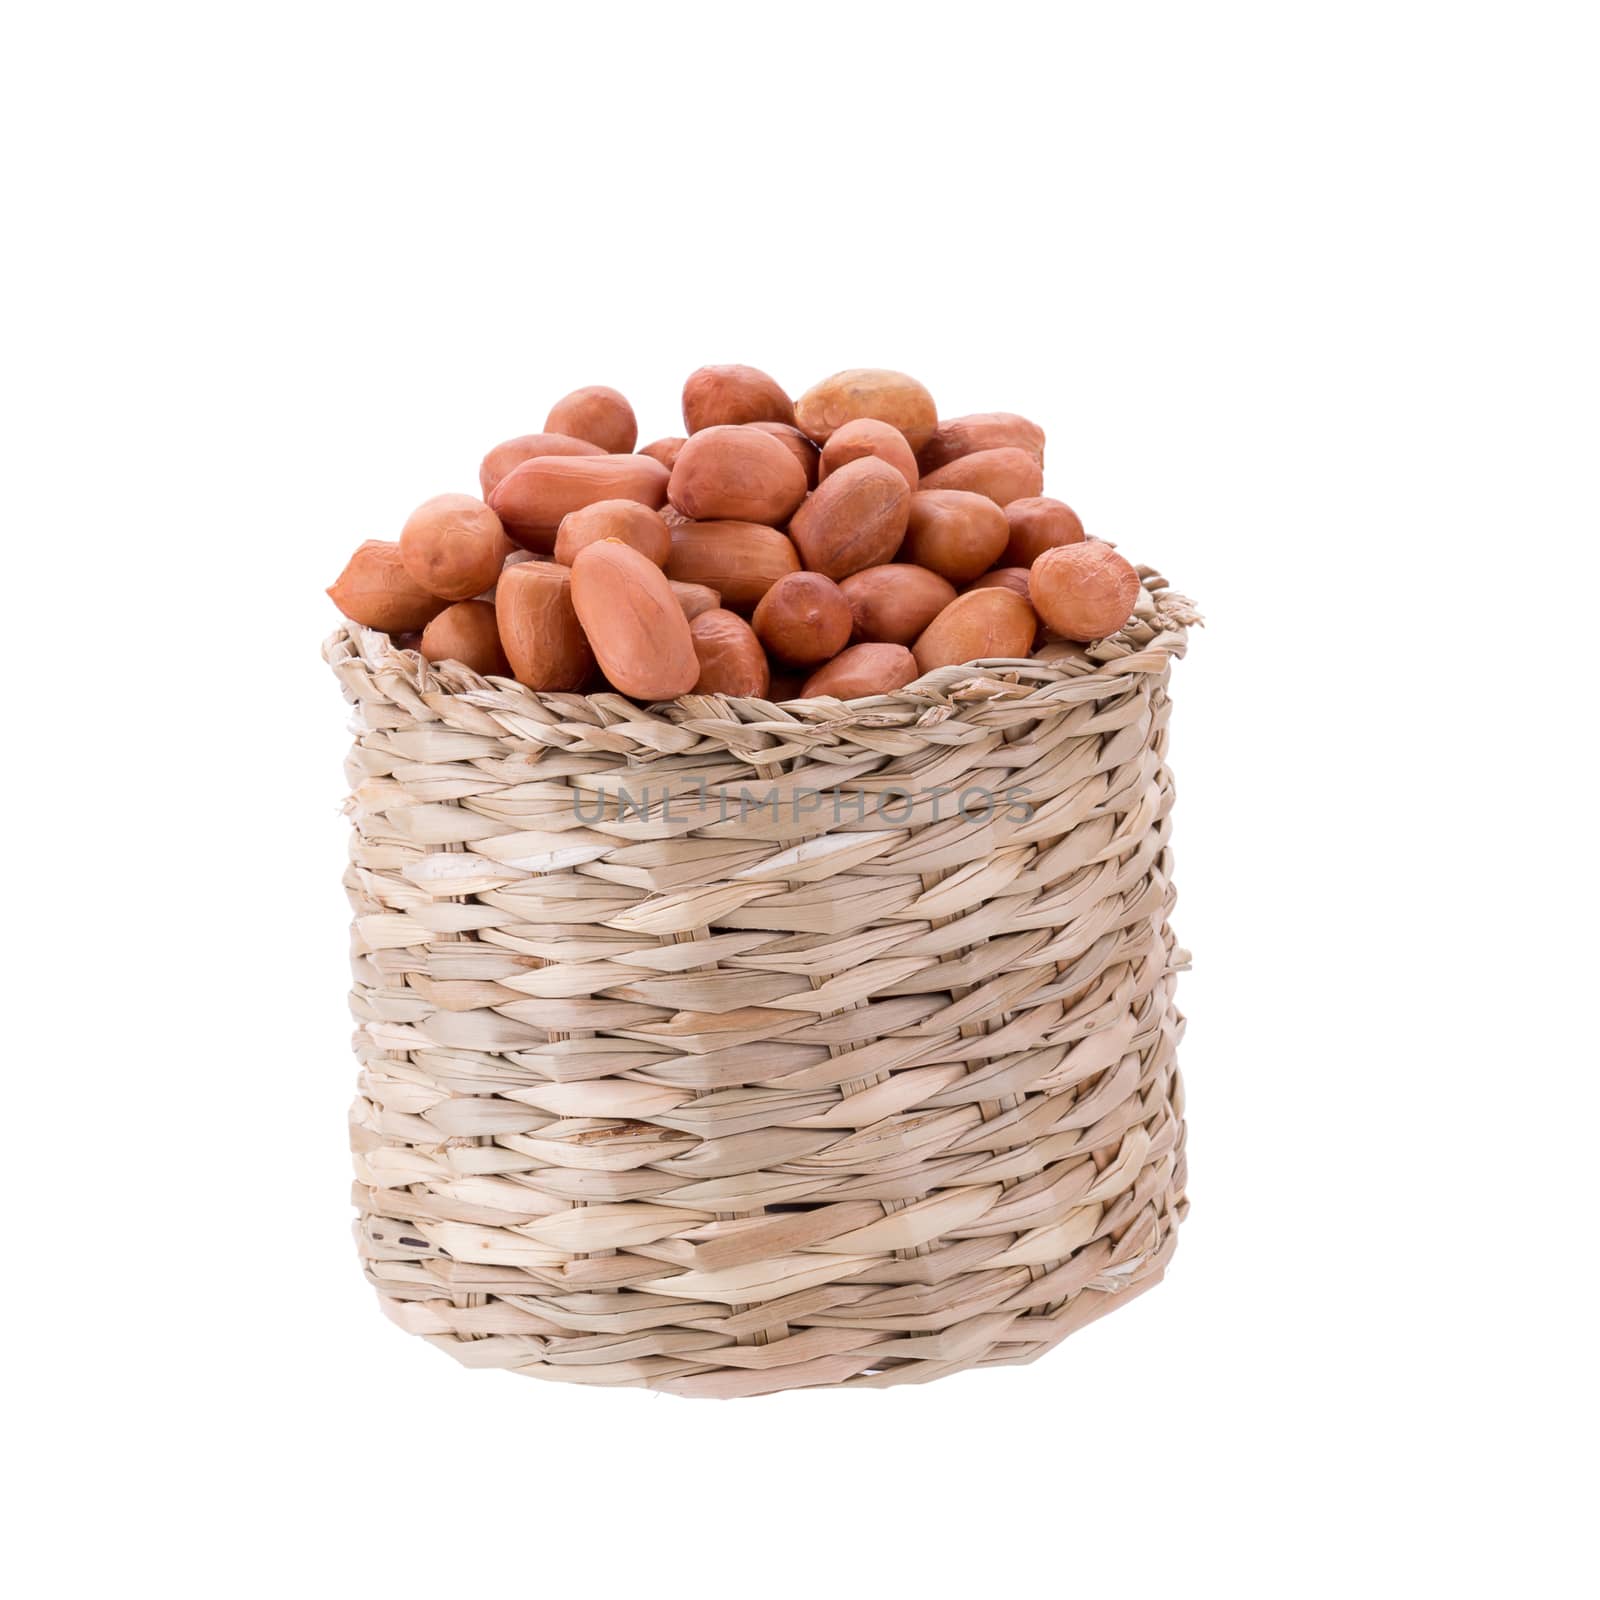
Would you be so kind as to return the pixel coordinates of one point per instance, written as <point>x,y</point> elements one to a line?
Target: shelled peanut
<point>841,544</point>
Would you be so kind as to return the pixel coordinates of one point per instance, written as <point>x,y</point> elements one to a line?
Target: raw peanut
<point>376,590</point>
<point>786,685</point>
<point>532,499</point>
<point>736,474</point>
<point>983,430</point>
<point>1004,475</point>
<point>976,626</point>
<point>892,604</point>
<point>633,622</point>
<point>467,632</point>
<point>598,414</point>
<point>663,450</point>
<point>796,443</point>
<point>695,599</point>
<point>856,518</point>
<point>1016,580</point>
<point>954,533</point>
<point>803,618</point>
<point>1037,524</point>
<point>890,397</point>
<point>626,520</point>
<point>862,670</point>
<point>539,629</point>
<point>525,447</point>
<point>1083,591</point>
<point>731,658</point>
<point>454,546</point>
<point>866,436</point>
<point>740,560</point>
<point>713,396</point>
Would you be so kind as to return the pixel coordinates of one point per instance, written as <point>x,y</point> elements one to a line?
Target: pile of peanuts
<point>841,544</point>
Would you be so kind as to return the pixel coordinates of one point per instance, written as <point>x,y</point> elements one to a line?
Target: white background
<point>1305,299</point>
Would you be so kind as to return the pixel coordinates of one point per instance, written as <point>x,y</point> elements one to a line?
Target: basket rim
<point>1059,675</point>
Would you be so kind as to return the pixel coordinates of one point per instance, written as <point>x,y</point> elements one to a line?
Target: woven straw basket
<point>726,1047</point>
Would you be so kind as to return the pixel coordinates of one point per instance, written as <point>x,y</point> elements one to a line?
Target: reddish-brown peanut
<point>376,590</point>
<point>454,546</point>
<point>695,599</point>
<point>539,628</point>
<point>598,414</point>
<point>626,520</point>
<point>532,499</point>
<point>1016,580</point>
<point>983,430</point>
<point>954,533</point>
<point>855,518</point>
<point>633,622</point>
<point>467,632</point>
<point>525,447</point>
<point>796,443</point>
<point>890,397</point>
<point>714,396</point>
<point>976,626</point>
<point>803,618</point>
<point>1004,475</point>
<point>863,669</point>
<point>1037,524</point>
<point>892,604</point>
<point>663,450</point>
<point>736,474</point>
<point>740,560</point>
<point>1083,591</point>
<point>731,658</point>
<point>866,436</point>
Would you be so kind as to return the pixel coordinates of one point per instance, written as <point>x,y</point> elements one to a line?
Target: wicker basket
<point>727,1047</point>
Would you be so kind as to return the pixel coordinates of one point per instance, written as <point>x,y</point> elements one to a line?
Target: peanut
<point>694,599</point>
<point>730,656</point>
<point>532,499</point>
<point>890,397</point>
<point>467,632</point>
<point>740,560</point>
<point>598,414</point>
<point>796,443</point>
<point>1083,591</point>
<point>1005,474</point>
<point>376,590</point>
<point>863,669</point>
<point>626,520</point>
<point>633,622</point>
<point>663,450</point>
<point>736,474</point>
<point>803,618</point>
<point>866,436</point>
<point>954,533</point>
<point>454,546</point>
<point>1037,524</point>
<point>977,626</point>
<point>714,396</point>
<point>539,628</point>
<point>892,604</point>
<point>525,447</point>
<point>983,430</point>
<point>855,518</point>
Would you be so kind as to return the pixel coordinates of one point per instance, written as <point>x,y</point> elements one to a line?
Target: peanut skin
<point>598,414</point>
<point>532,499</point>
<point>890,397</point>
<point>983,430</point>
<point>796,443</point>
<point>977,626</point>
<point>868,437</point>
<point>525,447</point>
<point>626,520</point>
<point>853,519</point>
<point>731,658</point>
<point>1004,475</point>
<point>454,546</point>
<point>694,599</point>
<point>663,450</point>
<point>539,628</point>
<point>1083,591</point>
<point>376,590</point>
<point>717,396</point>
<point>863,669</point>
<point>1038,524</point>
<point>736,474</point>
<point>892,604</point>
<point>803,618</point>
<point>467,632</point>
<point>633,622</point>
<point>740,560</point>
<point>954,533</point>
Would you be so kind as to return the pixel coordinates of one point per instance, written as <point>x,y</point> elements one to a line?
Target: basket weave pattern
<point>723,1099</point>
